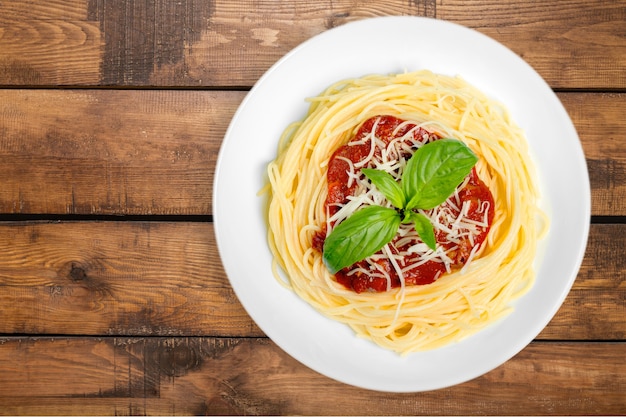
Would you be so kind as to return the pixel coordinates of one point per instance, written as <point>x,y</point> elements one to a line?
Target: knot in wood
<point>177,360</point>
<point>77,273</point>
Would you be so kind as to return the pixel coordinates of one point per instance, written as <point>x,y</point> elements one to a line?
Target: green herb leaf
<point>434,171</point>
<point>429,178</point>
<point>424,229</point>
<point>387,185</point>
<point>362,234</point>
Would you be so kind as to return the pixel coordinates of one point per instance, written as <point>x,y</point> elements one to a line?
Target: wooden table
<point>113,299</point>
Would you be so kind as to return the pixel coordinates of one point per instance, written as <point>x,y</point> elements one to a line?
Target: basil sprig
<point>431,175</point>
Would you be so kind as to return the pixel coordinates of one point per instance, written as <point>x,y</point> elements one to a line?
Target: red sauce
<point>386,128</point>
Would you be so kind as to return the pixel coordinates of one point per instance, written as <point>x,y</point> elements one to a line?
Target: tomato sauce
<point>475,193</point>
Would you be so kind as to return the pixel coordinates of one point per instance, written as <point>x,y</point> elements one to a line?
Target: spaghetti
<point>460,302</point>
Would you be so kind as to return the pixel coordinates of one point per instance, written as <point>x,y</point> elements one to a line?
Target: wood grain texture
<point>577,41</point>
<point>154,152</point>
<point>604,142</point>
<point>166,279</point>
<point>110,152</point>
<point>103,278</point>
<point>208,376</point>
<point>587,313</point>
<point>572,44</point>
<point>113,108</point>
<point>49,43</point>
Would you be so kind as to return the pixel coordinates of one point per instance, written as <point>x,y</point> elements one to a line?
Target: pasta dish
<point>406,207</point>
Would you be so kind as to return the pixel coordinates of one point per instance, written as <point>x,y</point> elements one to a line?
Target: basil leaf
<point>434,171</point>
<point>387,185</point>
<point>424,229</point>
<point>362,234</point>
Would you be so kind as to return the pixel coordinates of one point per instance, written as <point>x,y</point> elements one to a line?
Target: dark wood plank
<point>154,152</point>
<point>110,152</point>
<point>568,42</point>
<point>102,278</point>
<point>207,376</point>
<point>573,44</point>
<point>602,133</point>
<point>166,279</point>
<point>595,308</point>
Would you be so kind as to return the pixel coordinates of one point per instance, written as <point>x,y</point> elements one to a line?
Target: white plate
<point>385,45</point>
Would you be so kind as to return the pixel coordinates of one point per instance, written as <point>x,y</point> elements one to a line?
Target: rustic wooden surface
<point>113,299</point>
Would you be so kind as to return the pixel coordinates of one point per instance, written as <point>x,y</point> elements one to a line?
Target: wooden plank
<point>236,51</point>
<point>573,44</point>
<point>110,152</point>
<point>49,43</point>
<point>595,308</point>
<point>568,42</point>
<point>154,152</point>
<point>207,376</point>
<point>116,278</point>
<point>166,279</point>
<point>603,136</point>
